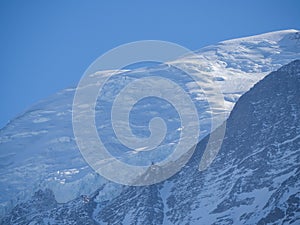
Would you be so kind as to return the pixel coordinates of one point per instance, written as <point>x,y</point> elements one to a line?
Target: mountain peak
<point>276,36</point>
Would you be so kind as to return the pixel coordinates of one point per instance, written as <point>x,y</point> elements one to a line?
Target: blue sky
<point>47,45</point>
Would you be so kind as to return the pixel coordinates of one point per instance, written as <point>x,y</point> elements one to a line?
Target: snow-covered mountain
<point>39,156</point>
<point>254,179</point>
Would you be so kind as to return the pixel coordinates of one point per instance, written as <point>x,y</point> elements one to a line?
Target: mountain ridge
<point>253,180</point>
<point>32,142</point>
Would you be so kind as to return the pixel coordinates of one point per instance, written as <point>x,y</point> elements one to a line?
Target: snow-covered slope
<point>38,151</point>
<point>254,179</point>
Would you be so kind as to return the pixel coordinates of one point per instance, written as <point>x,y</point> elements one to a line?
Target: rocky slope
<point>253,180</point>
<point>39,156</point>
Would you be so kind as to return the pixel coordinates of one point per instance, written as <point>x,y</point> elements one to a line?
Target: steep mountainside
<point>254,179</point>
<point>39,156</point>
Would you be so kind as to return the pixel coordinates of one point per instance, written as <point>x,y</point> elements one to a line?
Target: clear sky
<point>45,46</point>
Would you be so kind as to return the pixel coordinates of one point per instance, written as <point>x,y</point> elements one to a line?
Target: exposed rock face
<point>255,178</point>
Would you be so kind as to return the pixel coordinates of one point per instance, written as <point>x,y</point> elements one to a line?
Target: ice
<point>37,148</point>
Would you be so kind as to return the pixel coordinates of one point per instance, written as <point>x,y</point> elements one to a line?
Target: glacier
<point>38,150</point>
